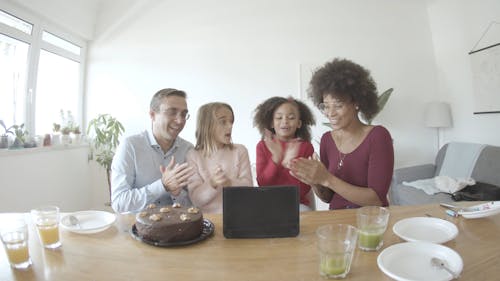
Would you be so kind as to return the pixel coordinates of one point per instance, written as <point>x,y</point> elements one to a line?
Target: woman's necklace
<point>353,137</point>
<point>341,162</point>
<point>342,156</point>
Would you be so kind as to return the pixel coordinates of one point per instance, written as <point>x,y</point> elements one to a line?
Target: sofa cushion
<point>488,166</point>
<point>407,195</point>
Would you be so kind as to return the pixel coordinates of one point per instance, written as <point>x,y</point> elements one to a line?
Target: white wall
<point>41,176</point>
<point>243,52</point>
<point>456,27</point>
<point>78,17</point>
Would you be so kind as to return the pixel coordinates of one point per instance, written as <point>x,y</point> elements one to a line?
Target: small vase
<point>46,140</point>
<point>75,138</point>
<point>4,142</point>
<point>56,139</point>
<point>65,139</point>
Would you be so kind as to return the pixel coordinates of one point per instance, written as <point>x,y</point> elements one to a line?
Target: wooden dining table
<point>114,254</point>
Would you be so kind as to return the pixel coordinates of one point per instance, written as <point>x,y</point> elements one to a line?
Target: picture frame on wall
<point>485,66</point>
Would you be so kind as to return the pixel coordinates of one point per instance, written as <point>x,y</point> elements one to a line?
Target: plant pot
<point>38,141</point>
<point>47,140</point>
<point>30,143</point>
<point>4,142</point>
<point>17,144</point>
<point>56,139</point>
<point>75,138</point>
<point>65,139</point>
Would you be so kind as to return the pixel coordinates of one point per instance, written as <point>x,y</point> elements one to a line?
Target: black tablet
<point>260,212</point>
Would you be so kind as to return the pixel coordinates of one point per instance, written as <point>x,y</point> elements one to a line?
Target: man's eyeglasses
<point>173,113</point>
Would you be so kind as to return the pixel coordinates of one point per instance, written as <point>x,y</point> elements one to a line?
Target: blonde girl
<point>217,162</point>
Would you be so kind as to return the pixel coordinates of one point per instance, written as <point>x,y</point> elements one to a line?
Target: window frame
<point>36,44</point>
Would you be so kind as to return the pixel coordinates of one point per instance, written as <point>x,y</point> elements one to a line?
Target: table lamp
<point>438,115</point>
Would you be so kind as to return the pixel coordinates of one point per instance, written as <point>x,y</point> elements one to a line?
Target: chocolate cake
<point>169,223</point>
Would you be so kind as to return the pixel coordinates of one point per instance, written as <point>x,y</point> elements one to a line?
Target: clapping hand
<point>310,171</point>
<point>219,178</point>
<point>274,146</point>
<point>291,152</point>
<point>278,155</point>
<point>175,176</point>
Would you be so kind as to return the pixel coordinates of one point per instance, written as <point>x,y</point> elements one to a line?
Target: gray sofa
<point>486,170</point>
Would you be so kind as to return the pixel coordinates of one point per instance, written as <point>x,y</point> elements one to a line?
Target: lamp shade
<point>438,115</point>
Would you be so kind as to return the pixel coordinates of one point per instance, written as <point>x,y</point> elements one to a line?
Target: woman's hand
<point>309,171</point>
<point>324,193</point>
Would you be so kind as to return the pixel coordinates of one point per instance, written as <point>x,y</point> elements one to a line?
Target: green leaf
<point>105,132</point>
<point>383,98</point>
<point>381,101</point>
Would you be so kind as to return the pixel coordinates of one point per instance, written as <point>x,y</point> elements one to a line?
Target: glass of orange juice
<point>14,235</point>
<point>46,219</point>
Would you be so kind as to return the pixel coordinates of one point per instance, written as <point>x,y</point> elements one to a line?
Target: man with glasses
<point>150,167</point>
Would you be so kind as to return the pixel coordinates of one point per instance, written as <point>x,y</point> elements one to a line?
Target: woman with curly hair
<point>284,124</point>
<point>356,160</point>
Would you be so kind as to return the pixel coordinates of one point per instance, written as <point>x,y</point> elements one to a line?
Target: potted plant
<point>4,137</point>
<point>104,132</point>
<point>56,134</point>
<point>65,139</point>
<point>67,123</point>
<point>76,135</point>
<point>20,135</point>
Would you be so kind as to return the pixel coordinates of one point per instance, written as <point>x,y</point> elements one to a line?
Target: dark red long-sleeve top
<point>370,165</point>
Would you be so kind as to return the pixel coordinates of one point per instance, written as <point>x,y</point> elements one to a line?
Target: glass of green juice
<point>372,223</point>
<point>336,246</point>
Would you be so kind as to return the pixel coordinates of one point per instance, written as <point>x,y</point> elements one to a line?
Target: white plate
<point>481,210</point>
<point>425,229</point>
<point>412,261</point>
<point>90,221</point>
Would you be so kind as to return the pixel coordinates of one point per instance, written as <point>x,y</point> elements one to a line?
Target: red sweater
<point>270,173</point>
<point>370,165</point>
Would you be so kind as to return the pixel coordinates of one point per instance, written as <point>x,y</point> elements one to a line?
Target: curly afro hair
<point>347,81</point>
<point>264,114</point>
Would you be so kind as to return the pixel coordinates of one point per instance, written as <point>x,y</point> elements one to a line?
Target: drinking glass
<point>14,235</point>
<point>336,246</point>
<point>124,221</point>
<point>372,223</point>
<point>46,219</point>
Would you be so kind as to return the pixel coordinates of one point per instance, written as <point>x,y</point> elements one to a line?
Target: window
<point>15,22</point>
<point>13,73</point>
<point>57,88</point>
<point>40,73</point>
<point>56,41</point>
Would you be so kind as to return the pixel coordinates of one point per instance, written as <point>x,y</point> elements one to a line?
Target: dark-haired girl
<point>285,127</point>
